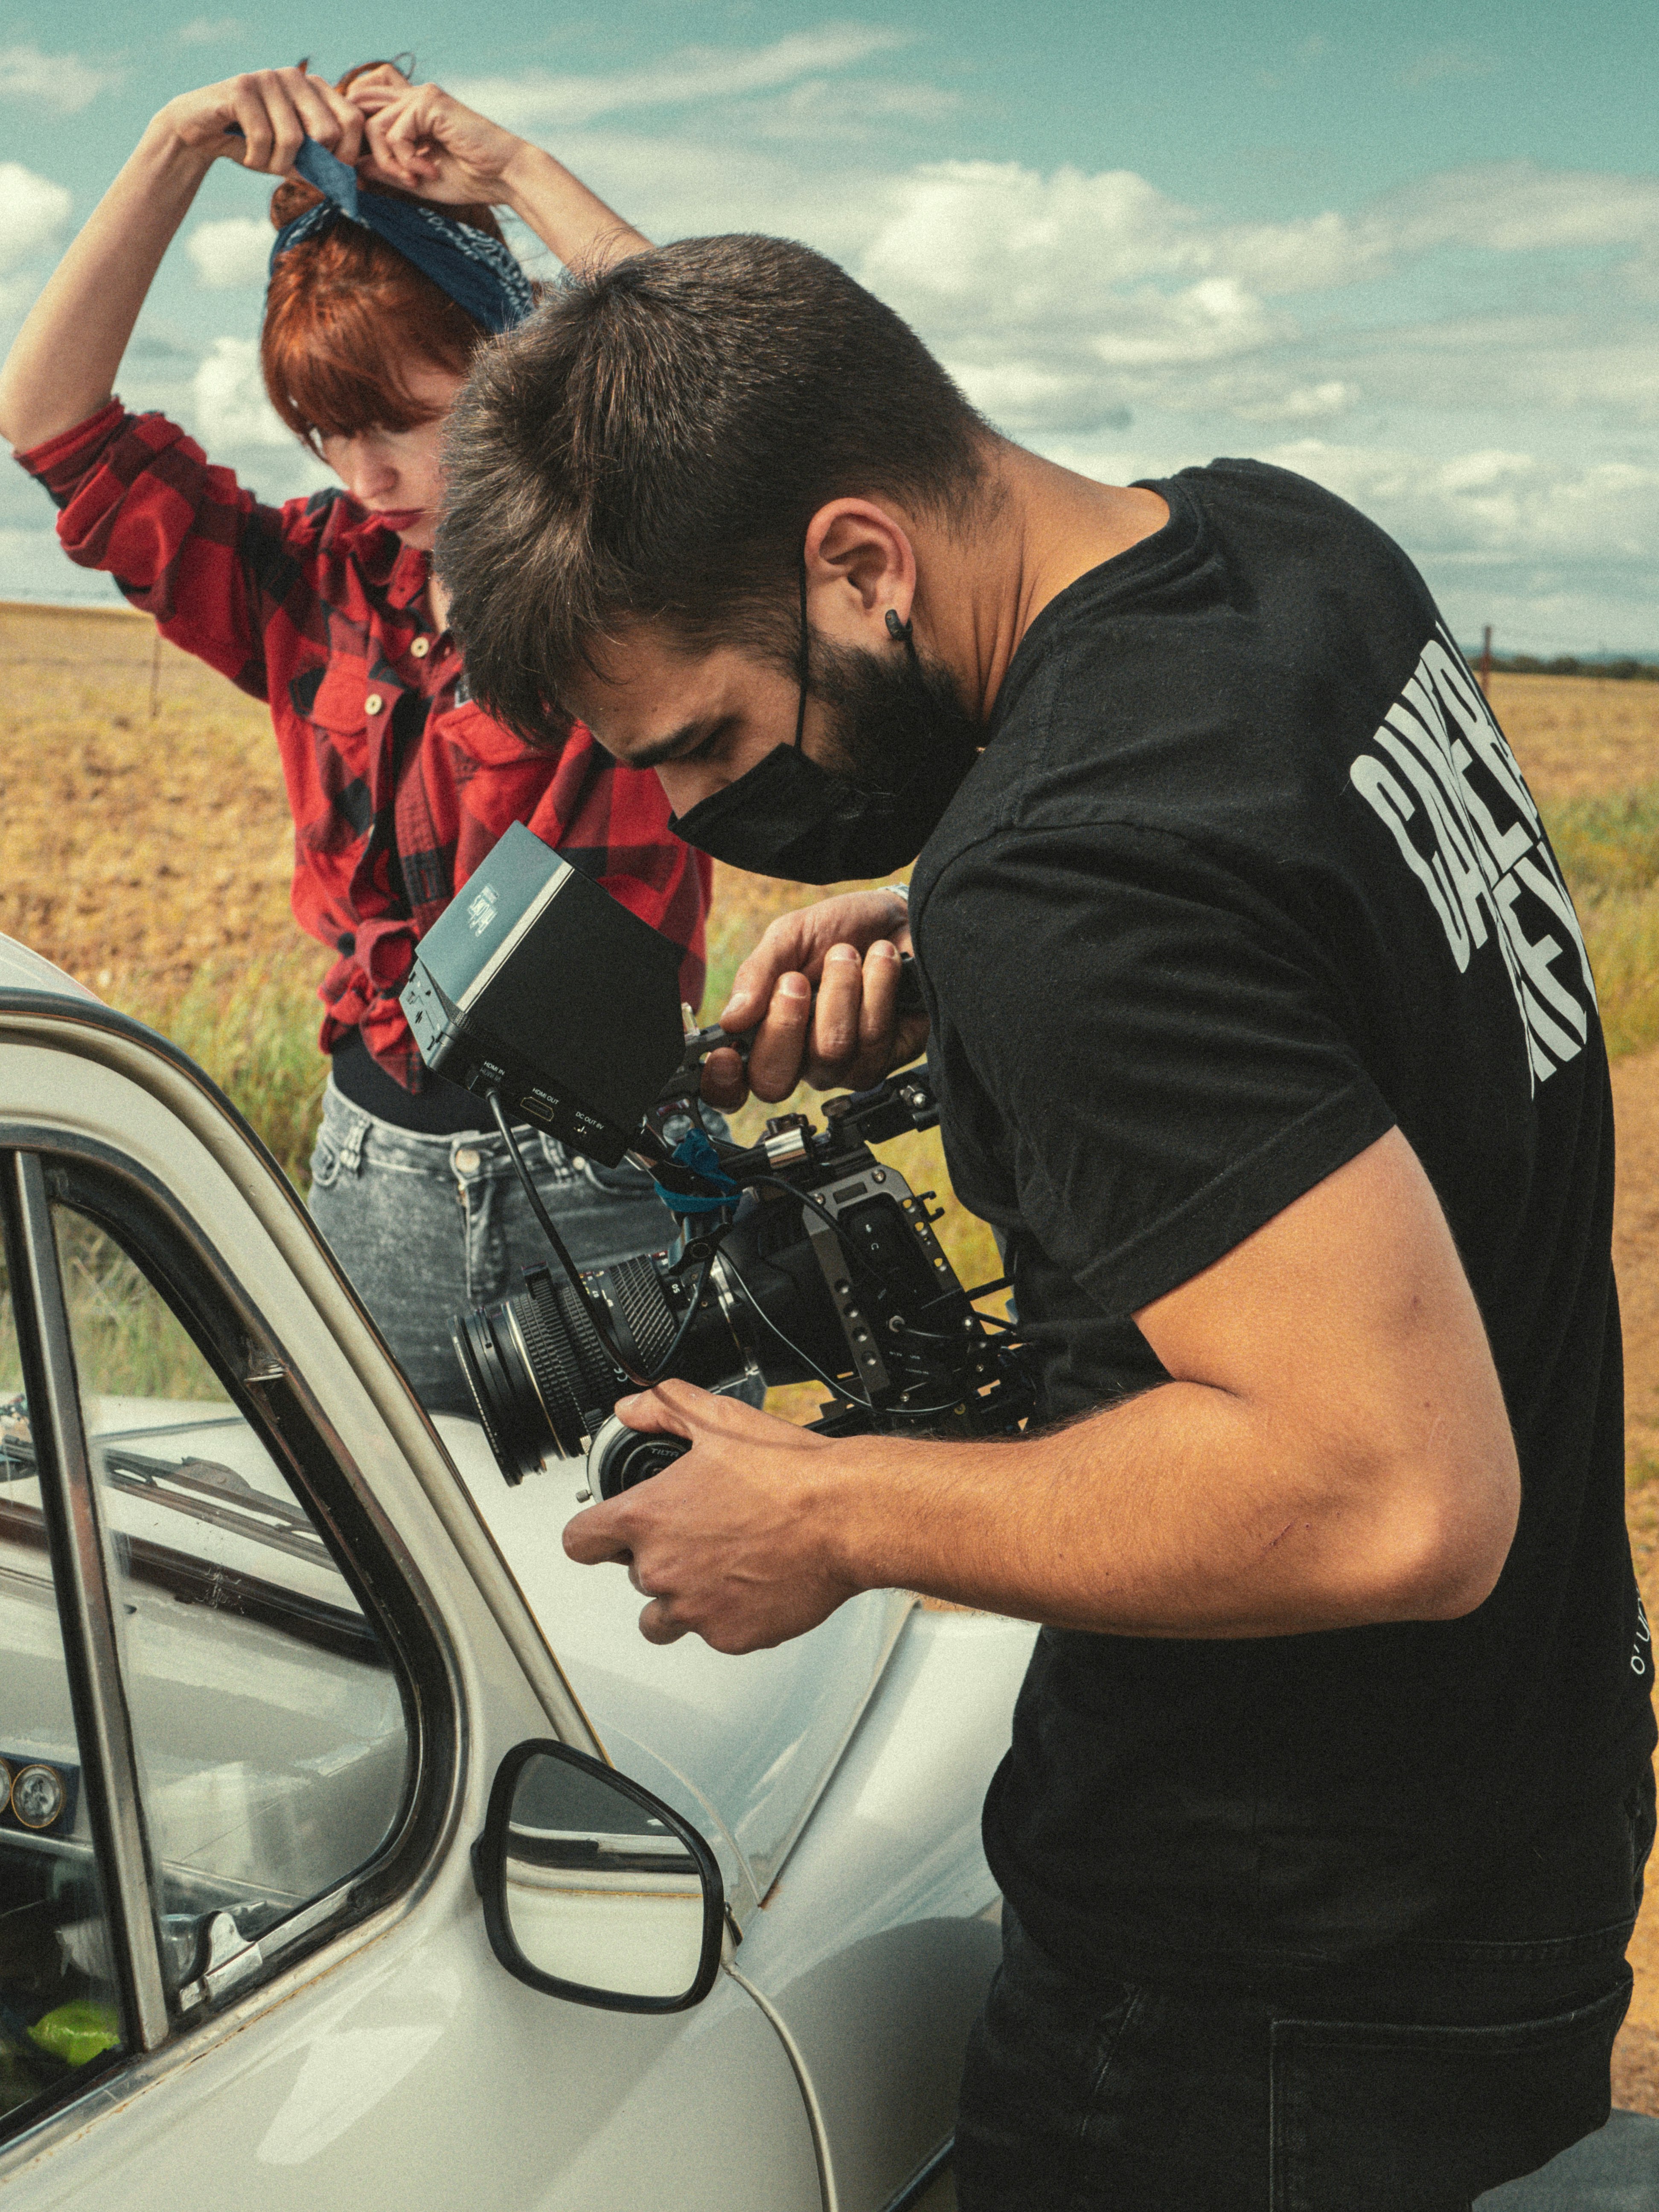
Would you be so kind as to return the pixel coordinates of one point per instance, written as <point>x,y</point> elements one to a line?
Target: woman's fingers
<point>323,115</point>
<point>401,133</point>
<point>325,110</point>
<point>265,104</point>
<point>377,87</point>
<point>247,105</point>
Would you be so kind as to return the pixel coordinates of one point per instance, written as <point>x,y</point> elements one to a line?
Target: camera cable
<point>866,1403</point>
<point>595,1310</point>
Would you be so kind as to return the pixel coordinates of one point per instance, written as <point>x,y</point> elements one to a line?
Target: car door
<point>258,1663</point>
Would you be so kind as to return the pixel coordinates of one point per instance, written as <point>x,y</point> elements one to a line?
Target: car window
<point>269,1727</point>
<point>59,2011</point>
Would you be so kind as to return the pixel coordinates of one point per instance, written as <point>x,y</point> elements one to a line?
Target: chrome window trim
<point>108,1761</point>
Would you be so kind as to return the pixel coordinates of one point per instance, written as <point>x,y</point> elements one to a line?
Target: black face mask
<point>907,743</point>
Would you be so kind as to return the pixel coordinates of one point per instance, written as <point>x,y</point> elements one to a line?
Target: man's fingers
<point>835,1016</point>
<point>878,1016</point>
<point>779,1046</point>
<point>591,1539</point>
<point>724,1084</point>
<point>658,1627</point>
<point>781,951</point>
<point>672,1408</point>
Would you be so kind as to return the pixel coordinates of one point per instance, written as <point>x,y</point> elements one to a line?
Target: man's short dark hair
<point>652,444</point>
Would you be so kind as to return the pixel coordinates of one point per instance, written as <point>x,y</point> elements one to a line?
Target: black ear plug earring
<point>897,630</point>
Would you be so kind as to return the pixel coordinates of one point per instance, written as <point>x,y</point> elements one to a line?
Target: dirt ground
<point>143,832</point>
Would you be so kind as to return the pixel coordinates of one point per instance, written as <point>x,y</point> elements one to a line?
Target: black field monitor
<point>534,982</point>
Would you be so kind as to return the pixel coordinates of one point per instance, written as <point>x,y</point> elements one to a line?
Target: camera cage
<point>541,993</point>
<point>808,1258</point>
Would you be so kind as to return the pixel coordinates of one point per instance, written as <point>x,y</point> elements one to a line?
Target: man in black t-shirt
<point>1266,1040</point>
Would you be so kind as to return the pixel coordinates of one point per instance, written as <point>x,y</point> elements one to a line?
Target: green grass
<point>1608,849</point>
<point>253,1025</point>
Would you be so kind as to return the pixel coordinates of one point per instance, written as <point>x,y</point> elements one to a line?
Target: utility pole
<point>1486,660</point>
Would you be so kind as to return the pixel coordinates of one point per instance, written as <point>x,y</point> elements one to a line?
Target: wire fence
<point>149,662</point>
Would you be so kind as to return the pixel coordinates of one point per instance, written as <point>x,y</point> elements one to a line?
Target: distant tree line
<point>1527,664</point>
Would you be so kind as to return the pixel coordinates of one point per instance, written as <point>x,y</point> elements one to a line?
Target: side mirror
<point>595,1890</point>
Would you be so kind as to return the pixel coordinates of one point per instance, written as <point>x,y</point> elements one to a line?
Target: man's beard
<point>888,716</point>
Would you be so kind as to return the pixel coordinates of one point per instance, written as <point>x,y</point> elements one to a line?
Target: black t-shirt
<point>1245,877</point>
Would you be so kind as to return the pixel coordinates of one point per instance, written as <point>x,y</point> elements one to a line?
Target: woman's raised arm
<point>421,139</point>
<point>62,363</point>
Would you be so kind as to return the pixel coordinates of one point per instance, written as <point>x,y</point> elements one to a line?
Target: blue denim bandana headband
<point>478,271</point>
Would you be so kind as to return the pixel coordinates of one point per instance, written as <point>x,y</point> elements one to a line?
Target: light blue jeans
<point>428,1226</point>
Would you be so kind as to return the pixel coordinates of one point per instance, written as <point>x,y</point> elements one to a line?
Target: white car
<point>355,1851</point>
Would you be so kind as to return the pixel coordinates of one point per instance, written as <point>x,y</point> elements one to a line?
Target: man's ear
<point>860,564</point>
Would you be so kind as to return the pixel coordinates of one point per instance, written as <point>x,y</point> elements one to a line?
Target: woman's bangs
<point>346,318</point>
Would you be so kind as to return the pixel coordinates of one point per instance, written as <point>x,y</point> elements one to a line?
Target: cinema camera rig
<point>801,1258</point>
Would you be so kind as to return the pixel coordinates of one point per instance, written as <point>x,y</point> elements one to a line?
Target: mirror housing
<point>594,1889</point>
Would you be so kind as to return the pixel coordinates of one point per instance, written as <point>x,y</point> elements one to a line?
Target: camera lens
<point>619,1457</point>
<point>542,1380</point>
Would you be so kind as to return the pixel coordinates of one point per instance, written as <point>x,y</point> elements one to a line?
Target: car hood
<point>754,1739</point>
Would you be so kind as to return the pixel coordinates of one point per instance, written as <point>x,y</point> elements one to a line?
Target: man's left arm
<point>1332,1450</point>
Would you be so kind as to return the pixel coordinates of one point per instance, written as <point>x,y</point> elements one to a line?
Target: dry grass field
<point>145,846</point>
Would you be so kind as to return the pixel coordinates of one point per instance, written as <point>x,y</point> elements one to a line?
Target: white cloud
<point>64,84</point>
<point>228,399</point>
<point>1301,403</point>
<point>537,98</point>
<point>824,109</point>
<point>210,30</point>
<point>1472,506</point>
<point>33,212</point>
<point>231,252</point>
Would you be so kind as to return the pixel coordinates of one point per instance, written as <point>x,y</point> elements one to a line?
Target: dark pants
<point>1410,2092</point>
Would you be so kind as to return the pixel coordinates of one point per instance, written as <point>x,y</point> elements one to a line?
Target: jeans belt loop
<point>351,1151</point>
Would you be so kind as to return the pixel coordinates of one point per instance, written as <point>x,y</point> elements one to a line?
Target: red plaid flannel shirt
<point>399,785</point>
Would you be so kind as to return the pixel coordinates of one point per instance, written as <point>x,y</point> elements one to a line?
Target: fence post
<point>1485,660</point>
<point>155,677</point>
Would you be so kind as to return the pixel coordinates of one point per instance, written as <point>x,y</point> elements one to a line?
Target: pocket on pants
<point>1369,2117</point>
<point>324,1162</point>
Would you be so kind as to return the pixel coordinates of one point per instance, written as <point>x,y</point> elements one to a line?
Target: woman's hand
<point>274,110</point>
<point>421,139</point>
<point>849,946</point>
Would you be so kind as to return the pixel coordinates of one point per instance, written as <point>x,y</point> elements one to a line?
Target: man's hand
<point>729,1543</point>
<point>849,947</point>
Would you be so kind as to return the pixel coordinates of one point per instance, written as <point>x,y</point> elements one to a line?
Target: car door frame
<point>274,1385</point>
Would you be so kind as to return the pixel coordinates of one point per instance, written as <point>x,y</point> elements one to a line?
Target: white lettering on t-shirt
<point>1440,776</point>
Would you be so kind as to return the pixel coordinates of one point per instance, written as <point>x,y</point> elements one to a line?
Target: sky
<point>1411,251</point>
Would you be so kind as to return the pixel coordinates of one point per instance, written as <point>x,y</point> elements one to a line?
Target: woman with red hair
<point>388,270</point>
